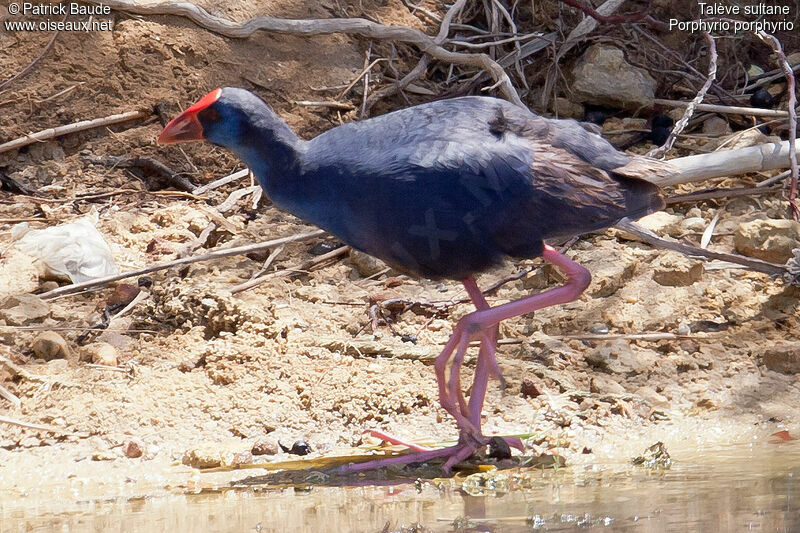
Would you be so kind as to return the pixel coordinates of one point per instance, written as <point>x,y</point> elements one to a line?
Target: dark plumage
<point>441,190</point>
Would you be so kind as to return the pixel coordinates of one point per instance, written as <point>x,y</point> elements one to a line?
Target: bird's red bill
<point>186,126</point>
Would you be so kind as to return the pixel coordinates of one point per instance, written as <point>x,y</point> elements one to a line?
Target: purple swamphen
<point>441,190</point>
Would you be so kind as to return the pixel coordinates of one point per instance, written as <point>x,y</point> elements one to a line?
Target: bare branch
<point>72,128</point>
<point>698,99</point>
<point>215,254</point>
<point>750,263</point>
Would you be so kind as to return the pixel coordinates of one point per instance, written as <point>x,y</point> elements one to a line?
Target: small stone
<point>603,77</point>
<point>602,384</point>
<point>660,223</point>
<point>365,264</point>
<point>653,398</point>
<point>532,387</point>
<point>47,286</point>
<point>203,456</point>
<point>103,455</point>
<point>768,239</point>
<point>784,357</point>
<point>19,309</point>
<point>689,346</point>
<point>568,109</point>
<point>133,448</point>
<point>100,353</point>
<point>674,269</point>
<point>50,345</point>
<point>716,126</point>
<point>694,224</point>
<point>264,447</point>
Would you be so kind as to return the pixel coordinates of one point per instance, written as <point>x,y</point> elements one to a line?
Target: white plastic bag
<point>76,250</point>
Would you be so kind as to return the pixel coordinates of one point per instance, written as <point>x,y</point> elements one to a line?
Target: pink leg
<point>481,324</point>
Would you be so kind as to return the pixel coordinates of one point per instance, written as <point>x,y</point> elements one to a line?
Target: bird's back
<point>446,189</point>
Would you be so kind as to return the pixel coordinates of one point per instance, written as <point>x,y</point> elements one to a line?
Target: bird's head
<point>220,117</point>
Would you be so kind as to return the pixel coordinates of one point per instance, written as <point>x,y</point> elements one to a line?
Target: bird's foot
<point>468,444</point>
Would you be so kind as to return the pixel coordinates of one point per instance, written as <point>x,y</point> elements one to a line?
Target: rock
<point>603,384</point>
<point>785,357</point>
<point>264,447</point>
<point>50,345</point>
<point>674,269</point>
<point>694,224</point>
<point>653,398</point>
<point>133,448</point>
<point>203,456</point>
<point>20,309</point>
<point>532,386</point>
<point>616,357</point>
<point>568,109</point>
<point>660,223</point>
<point>768,239</point>
<point>716,126</point>
<point>603,77</point>
<point>611,268</point>
<point>541,278</point>
<point>103,455</point>
<point>365,264</point>
<point>100,353</point>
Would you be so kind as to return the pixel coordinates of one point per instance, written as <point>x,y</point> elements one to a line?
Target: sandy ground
<point>296,358</point>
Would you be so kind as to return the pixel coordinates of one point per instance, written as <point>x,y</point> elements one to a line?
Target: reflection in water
<point>737,489</point>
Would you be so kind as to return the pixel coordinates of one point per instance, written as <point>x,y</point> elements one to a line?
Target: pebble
<point>203,456</point>
<point>784,357</point>
<point>133,448</point>
<point>365,264</point>
<point>605,385</point>
<point>768,239</point>
<point>696,224</point>
<point>653,398</point>
<point>660,223</point>
<point>50,345</point>
<point>100,353</point>
<point>674,269</point>
<point>19,309</point>
<point>264,447</point>
<point>716,126</point>
<point>532,387</point>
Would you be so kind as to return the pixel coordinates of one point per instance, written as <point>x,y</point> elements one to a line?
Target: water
<point>740,488</point>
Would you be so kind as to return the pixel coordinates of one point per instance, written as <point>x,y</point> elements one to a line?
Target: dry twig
<point>725,109</point>
<point>216,254</point>
<point>750,263</point>
<point>222,181</point>
<point>72,128</point>
<point>311,263</point>
<point>687,114</point>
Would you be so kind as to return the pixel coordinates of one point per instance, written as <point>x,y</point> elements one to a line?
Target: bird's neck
<point>270,148</point>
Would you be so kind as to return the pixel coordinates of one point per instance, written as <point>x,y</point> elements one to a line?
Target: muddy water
<point>741,488</point>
